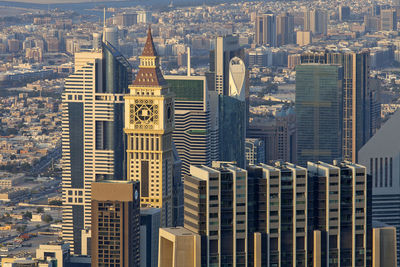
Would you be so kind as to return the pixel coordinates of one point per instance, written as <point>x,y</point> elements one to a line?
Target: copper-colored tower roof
<point>149,76</point>
<point>149,49</point>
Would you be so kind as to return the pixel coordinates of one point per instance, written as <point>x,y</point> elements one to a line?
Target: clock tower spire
<point>149,123</point>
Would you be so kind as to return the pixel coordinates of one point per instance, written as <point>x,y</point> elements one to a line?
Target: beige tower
<point>149,123</point>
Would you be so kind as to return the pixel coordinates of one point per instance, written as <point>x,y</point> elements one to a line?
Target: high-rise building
<point>319,216</point>
<point>179,247</point>
<point>279,208</point>
<point>284,29</point>
<point>149,232</point>
<point>97,40</point>
<point>344,13</point>
<point>93,146</point>
<point>316,21</point>
<point>381,156</point>
<point>341,214</point>
<point>318,112</point>
<point>358,120</point>
<point>196,121</point>
<point>221,220</point>
<point>149,123</point>
<point>266,30</point>
<point>303,38</point>
<point>388,20</point>
<point>255,151</point>
<point>115,223</point>
<point>111,36</point>
<point>225,48</point>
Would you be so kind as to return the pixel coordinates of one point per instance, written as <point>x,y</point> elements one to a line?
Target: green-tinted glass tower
<point>319,112</point>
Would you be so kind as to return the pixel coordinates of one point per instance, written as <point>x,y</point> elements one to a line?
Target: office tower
<point>303,38</point>
<point>238,79</point>
<point>388,20</point>
<point>149,123</point>
<point>284,29</point>
<point>177,189</point>
<point>149,231</point>
<point>341,217</point>
<point>196,121</point>
<point>381,156</point>
<point>179,247</point>
<point>318,112</point>
<point>111,36</point>
<point>372,23</point>
<point>225,48</point>
<point>384,247</point>
<point>266,30</point>
<point>255,151</point>
<point>115,223</point>
<point>278,134</point>
<point>316,21</point>
<point>221,221</point>
<point>280,209</point>
<point>232,129</point>
<point>374,10</point>
<point>93,146</point>
<point>344,13</point>
<point>357,119</point>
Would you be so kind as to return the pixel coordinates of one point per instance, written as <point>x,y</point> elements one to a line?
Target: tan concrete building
<point>303,38</point>
<point>179,247</point>
<point>115,223</point>
<point>384,247</point>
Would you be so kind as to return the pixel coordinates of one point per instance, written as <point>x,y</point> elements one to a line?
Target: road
<point>46,161</point>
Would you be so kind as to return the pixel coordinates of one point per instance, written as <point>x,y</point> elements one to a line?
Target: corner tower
<point>149,123</point>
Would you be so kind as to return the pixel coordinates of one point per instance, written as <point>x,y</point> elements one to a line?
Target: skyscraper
<point>318,112</point>
<point>225,48</point>
<point>266,30</point>
<point>316,21</point>
<point>149,230</point>
<point>284,29</point>
<point>388,20</point>
<point>358,120</point>
<point>344,13</point>
<point>381,156</point>
<point>196,121</point>
<point>341,210</point>
<point>216,209</point>
<point>279,208</point>
<point>149,123</point>
<point>93,146</point>
<point>115,223</point>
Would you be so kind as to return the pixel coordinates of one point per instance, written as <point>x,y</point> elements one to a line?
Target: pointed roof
<point>149,48</point>
<point>149,76</point>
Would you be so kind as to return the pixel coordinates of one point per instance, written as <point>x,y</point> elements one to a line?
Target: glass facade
<point>187,90</point>
<point>318,112</point>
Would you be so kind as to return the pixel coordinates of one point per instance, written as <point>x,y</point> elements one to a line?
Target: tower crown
<point>149,69</point>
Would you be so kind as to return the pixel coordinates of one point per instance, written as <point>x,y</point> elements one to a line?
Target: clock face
<point>143,113</point>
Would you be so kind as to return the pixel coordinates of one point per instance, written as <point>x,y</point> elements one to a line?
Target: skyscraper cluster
<point>159,171</point>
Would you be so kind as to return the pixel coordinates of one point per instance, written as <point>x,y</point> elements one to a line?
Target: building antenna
<point>104,25</point>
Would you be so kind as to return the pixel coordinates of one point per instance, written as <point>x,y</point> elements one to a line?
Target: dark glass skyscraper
<point>92,138</point>
<point>319,112</point>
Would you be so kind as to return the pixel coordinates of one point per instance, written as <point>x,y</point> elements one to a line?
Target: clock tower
<point>149,123</point>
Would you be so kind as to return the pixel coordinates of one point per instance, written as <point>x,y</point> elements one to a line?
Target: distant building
<point>255,151</point>
<point>316,21</point>
<point>266,30</point>
<point>388,20</point>
<point>55,251</point>
<point>344,13</point>
<point>285,29</point>
<point>303,38</point>
<point>179,247</point>
<point>111,36</point>
<point>115,223</point>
